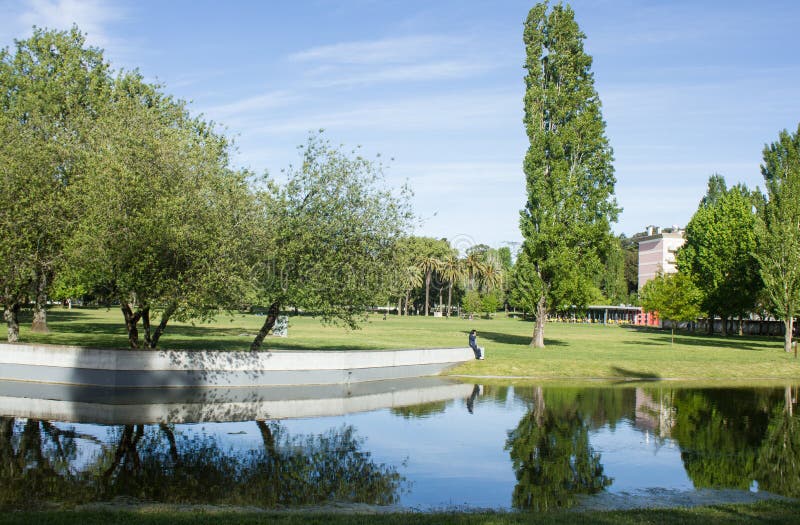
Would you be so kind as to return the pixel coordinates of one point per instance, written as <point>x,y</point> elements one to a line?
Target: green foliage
<point>165,224</point>
<point>472,302</point>
<point>777,228</point>
<point>719,253</point>
<point>673,296</point>
<point>53,89</point>
<point>569,175</point>
<point>613,282</point>
<point>330,235</point>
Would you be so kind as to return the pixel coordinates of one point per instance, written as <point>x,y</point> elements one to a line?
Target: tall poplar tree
<point>568,166</point>
<point>778,232</point>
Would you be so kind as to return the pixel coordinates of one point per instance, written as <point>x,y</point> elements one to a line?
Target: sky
<point>688,89</point>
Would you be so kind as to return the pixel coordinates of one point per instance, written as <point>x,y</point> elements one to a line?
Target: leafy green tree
<point>673,296</point>
<point>525,287</point>
<point>165,225</point>
<point>613,283</point>
<point>777,229</point>
<point>630,251</point>
<point>491,301</point>
<point>569,175</point>
<point>330,237</point>
<point>53,89</point>
<point>472,302</point>
<point>719,253</point>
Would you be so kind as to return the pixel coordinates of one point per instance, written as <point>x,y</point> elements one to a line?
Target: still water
<point>425,444</point>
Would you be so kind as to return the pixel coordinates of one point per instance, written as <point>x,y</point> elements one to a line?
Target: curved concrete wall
<point>125,368</point>
<point>116,406</point>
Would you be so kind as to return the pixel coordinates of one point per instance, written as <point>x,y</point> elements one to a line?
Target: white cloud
<point>91,16</point>
<point>407,73</point>
<point>477,110</point>
<point>403,59</point>
<point>247,106</point>
<point>387,50</point>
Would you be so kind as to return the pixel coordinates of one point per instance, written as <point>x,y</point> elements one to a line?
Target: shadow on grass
<point>512,339</point>
<point>663,337</point>
<point>633,374</point>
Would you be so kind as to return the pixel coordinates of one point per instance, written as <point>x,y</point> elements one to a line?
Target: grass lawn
<point>763,512</point>
<point>574,351</point>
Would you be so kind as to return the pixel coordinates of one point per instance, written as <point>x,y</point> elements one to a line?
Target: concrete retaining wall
<point>124,368</point>
<point>114,406</point>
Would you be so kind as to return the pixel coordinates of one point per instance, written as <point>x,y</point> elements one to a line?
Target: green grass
<point>763,512</point>
<point>574,351</point>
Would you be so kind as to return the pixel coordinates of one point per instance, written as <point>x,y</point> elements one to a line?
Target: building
<point>657,252</point>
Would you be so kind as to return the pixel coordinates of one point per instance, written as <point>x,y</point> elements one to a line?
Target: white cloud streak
<point>387,50</point>
<point>91,16</point>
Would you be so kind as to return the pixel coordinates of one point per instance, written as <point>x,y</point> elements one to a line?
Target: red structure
<point>648,319</point>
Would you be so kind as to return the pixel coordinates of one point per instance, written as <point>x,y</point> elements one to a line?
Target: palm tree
<point>491,276</point>
<point>411,277</point>
<point>473,268</point>
<point>428,265</point>
<point>452,270</point>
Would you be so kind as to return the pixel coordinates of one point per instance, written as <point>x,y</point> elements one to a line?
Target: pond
<point>430,444</point>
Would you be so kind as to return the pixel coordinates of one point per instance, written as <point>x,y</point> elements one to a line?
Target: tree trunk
<point>272,316</point>
<point>541,315</point>
<point>146,326</point>
<point>724,326</point>
<point>427,291</point>
<point>165,315</point>
<point>173,446</point>
<point>39,324</point>
<point>740,325</point>
<point>787,337</point>
<point>400,306</point>
<point>710,324</point>
<point>449,298</point>
<point>672,340</point>
<point>131,320</point>
<point>266,437</point>
<point>11,315</point>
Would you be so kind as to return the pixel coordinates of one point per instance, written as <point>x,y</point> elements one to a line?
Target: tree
<point>568,170</point>
<point>719,253</point>
<point>165,226</point>
<point>777,229</point>
<point>428,265</point>
<point>613,282</point>
<point>525,285</point>
<point>329,236</point>
<point>53,89</point>
<point>673,296</point>
<point>452,270</point>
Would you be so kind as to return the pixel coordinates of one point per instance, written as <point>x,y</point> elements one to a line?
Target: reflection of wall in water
<point>654,413</point>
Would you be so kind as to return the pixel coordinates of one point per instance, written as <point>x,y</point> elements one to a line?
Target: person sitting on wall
<point>473,343</point>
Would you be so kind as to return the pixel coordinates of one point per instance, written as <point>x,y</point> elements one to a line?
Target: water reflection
<point>551,455</point>
<point>422,444</point>
<point>155,463</point>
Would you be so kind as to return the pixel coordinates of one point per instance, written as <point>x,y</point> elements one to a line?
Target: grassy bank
<point>573,350</point>
<point>763,512</point>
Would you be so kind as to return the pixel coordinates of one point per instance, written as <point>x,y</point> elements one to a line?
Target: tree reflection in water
<point>551,456</point>
<point>730,438</point>
<point>157,463</point>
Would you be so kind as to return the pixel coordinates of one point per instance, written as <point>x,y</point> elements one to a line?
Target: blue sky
<point>688,89</point>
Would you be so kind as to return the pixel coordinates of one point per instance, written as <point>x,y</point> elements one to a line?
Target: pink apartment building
<point>657,252</point>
